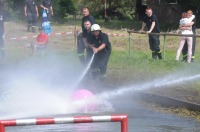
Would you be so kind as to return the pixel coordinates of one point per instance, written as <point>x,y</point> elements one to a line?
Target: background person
<point>83,44</point>
<point>82,37</point>
<point>41,42</point>
<point>150,20</point>
<point>47,5</point>
<point>101,46</point>
<point>185,47</point>
<point>185,19</point>
<point>31,11</point>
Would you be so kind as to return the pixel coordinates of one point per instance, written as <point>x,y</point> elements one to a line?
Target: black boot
<point>159,55</point>
<point>154,55</point>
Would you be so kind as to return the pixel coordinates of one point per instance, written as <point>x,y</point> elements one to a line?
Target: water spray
<point>148,85</point>
<point>84,72</point>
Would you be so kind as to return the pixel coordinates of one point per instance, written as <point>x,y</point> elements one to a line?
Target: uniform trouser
<point>100,62</point>
<point>1,46</point>
<point>185,48</point>
<point>154,43</point>
<point>31,18</point>
<point>81,47</point>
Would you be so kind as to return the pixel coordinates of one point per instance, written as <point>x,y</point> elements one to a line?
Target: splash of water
<point>84,72</point>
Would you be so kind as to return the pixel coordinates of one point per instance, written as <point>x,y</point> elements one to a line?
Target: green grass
<point>122,67</point>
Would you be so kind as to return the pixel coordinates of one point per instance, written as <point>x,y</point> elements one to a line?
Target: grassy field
<point>124,68</point>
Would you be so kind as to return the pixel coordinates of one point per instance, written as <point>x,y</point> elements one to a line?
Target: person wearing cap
<point>31,12</point>
<point>101,46</point>
<point>2,33</point>
<point>47,5</point>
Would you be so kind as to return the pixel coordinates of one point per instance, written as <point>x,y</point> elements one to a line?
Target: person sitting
<point>41,42</point>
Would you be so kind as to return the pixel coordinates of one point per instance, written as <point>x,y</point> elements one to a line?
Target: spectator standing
<point>47,6</point>
<point>82,38</point>
<point>99,42</point>
<point>187,31</point>
<point>2,34</point>
<point>83,44</point>
<point>185,47</point>
<point>31,12</point>
<point>151,21</point>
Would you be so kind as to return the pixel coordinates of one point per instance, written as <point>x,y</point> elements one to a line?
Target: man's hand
<point>148,31</point>
<point>141,30</point>
<point>95,50</point>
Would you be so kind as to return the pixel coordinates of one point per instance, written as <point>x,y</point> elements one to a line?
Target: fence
<point>159,34</point>
<point>77,119</point>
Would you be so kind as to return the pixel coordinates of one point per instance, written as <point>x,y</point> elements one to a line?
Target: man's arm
<point>143,25</point>
<point>25,10</point>
<point>51,8</point>
<point>36,8</point>
<point>96,50</point>
<point>187,24</point>
<point>152,26</point>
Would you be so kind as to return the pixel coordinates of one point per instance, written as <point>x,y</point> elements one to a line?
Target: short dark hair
<point>86,21</point>
<point>83,8</point>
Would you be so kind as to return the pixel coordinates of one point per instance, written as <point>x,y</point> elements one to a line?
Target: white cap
<point>95,27</point>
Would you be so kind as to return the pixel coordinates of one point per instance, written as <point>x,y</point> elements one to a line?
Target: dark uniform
<point>101,58</point>
<point>154,41</point>
<point>82,39</point>
<point>47,4</point>
<point>2,33</point>
<point>31,14</point>
<point>185,47</point>
<point>85,18</point>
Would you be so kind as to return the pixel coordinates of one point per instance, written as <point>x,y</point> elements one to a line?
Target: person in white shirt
<point>184,20</point>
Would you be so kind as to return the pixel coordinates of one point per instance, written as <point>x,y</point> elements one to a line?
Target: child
<point>187,31</point>
<point>41,41</point>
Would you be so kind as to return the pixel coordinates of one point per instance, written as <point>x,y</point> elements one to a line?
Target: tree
<point>66,7</point>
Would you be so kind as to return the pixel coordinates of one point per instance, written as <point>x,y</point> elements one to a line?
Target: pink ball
<point>84,94</point>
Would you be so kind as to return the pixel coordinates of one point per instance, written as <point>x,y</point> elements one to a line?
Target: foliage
<point>66,7</point>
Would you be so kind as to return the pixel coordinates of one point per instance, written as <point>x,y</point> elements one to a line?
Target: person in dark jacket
<point>82,37</point>
<point>31,12</point>
<point>151,21</point>
<point>47,5</point>
<point>101,46</point>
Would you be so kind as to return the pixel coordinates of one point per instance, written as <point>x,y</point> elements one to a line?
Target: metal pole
<point>164,47</point>
<point>105,8</point>
<point>2,128</point>
<point>129,45</point>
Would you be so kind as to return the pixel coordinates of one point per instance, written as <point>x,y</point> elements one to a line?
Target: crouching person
<point>41,42</point>
<point>101,46</point>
